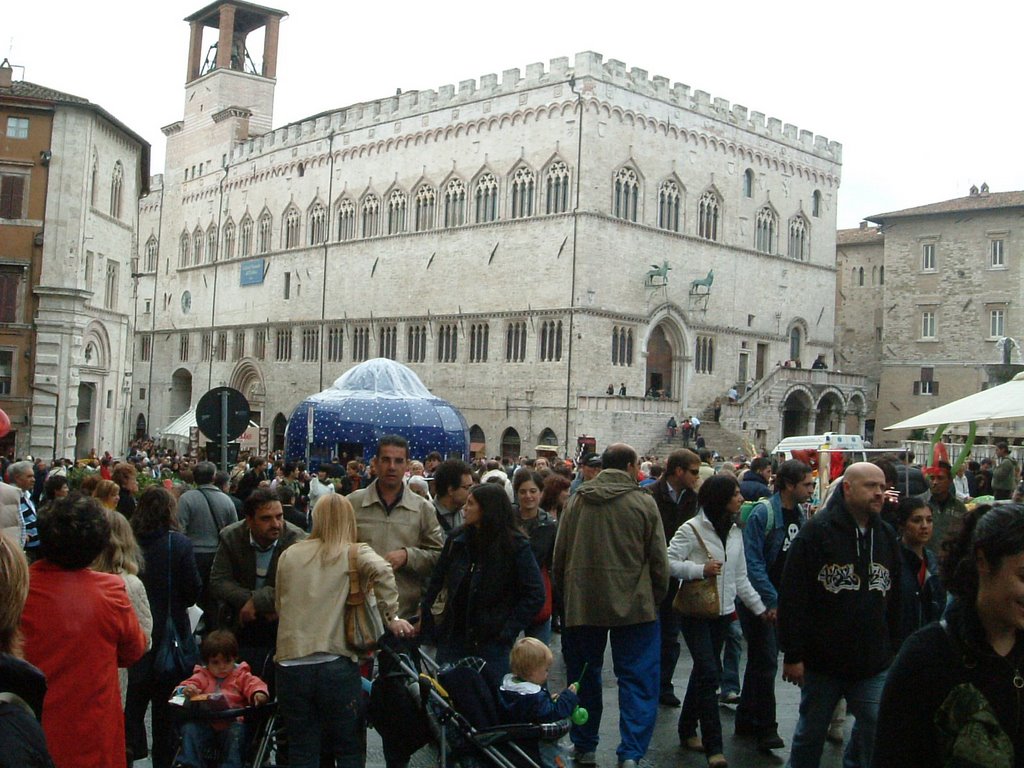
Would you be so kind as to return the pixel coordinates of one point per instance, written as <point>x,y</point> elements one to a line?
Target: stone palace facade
<point>521,242</point>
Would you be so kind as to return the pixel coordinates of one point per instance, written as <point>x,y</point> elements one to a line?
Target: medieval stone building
<point>523,242</point>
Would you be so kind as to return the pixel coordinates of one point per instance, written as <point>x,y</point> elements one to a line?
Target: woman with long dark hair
<point>172,585</point>
<point>710,546</point>
<point>493,584</point>
<point>952,697</point>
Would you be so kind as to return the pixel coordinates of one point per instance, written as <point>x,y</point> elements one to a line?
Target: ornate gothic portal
<point>659,363</point>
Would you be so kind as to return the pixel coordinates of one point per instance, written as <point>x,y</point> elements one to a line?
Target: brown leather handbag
<point>698,598</point>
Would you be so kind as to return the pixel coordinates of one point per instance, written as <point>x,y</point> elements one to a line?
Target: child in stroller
<point>219,684</point>
<point>525,698</point>
<point>456,707</point>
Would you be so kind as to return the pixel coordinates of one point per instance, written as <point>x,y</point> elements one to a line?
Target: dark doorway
<point>796,414</point>
<point>659,362</point>
<point>510,444</point>
<point>84,435</point>
<point>280,425</point>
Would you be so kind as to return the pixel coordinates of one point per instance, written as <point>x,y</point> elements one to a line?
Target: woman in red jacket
<point>78,628</point>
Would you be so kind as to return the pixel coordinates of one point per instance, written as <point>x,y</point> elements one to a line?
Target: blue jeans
<point>818,698</point>
<point>731,660</point>
<point>197,739</point>
<point>321,701</point>
<point>704,638</point>
<point>541,631</point>
<point>756,712</point>
<point>635,658</point>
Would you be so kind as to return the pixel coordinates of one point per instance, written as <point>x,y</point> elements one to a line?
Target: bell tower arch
<point>229,83</point>
<point>233,22</point>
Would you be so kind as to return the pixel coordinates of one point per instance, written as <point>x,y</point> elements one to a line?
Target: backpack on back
<point>748,506</point>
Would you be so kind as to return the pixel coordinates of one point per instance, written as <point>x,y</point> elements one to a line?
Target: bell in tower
<point>234,21</point>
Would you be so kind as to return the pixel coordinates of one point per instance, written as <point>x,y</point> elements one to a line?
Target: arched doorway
<point>84,429</point>
<point>181,393</point>
<point>659,363</point>
<point>280,425</point>
<point>140,427</point>
<point>248,380</point>
<point>477,441</point>
<point>548,437</point>
<point>796,413</point>
<point>510,444</point>
<point>829,415</point>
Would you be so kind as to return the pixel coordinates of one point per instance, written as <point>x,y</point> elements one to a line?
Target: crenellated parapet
<point>413,111</point>
<point>592,65</point>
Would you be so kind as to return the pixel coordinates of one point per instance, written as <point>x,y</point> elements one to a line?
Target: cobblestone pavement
<point>664,751</point>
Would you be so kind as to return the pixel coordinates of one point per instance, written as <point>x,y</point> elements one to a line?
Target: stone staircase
<point>716,438</point>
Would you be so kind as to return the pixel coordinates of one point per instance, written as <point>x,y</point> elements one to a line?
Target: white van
<point>830,441</point>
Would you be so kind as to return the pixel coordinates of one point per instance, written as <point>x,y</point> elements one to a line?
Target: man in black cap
<point>590,467</point>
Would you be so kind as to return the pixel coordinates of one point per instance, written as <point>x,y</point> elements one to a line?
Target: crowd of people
<point>888,597</point>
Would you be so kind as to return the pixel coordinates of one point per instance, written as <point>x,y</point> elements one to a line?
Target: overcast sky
<point>925,98</point>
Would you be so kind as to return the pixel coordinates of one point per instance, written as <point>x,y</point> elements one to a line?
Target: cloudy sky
<point>920,95</point>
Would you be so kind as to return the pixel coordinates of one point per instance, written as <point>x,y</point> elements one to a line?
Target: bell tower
<point>233,22</point>
<point>229,87</point>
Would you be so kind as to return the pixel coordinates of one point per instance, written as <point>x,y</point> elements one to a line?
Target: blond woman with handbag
<point>318,684</point>
<point>706,555</point>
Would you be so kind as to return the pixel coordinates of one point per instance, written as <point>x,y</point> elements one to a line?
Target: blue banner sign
<point>252,272</point>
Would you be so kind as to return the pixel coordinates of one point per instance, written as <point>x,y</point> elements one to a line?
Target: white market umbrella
<point>1002,403</point>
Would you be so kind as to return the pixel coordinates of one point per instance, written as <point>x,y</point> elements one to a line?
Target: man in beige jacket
<point>399,525</point>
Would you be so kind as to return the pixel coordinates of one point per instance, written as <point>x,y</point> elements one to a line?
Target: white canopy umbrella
<point>1002,403</point>
<point>178,431</point>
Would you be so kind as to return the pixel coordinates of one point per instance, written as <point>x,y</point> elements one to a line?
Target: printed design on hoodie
<point>835,578</point>
<point>880,578</point>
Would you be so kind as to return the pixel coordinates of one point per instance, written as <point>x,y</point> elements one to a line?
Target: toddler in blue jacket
<point>525,697</point>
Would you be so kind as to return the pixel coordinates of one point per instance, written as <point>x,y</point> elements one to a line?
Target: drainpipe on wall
<point>572,284</point>
<point>152,308</point>
<point>327,241</point>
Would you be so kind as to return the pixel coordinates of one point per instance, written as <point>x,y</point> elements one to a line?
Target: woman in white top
<point>318,684</point>
<point>710,545</point>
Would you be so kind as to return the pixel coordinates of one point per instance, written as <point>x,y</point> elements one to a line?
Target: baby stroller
<point>413,702</point>
<point>259,733</point>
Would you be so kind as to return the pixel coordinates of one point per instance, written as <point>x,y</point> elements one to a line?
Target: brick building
<point>71,176</point>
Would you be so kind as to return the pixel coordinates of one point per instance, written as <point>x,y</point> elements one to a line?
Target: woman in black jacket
<point>953,695</point>
<point>493,584</point>
<point>169,561</point>
<point>922,596</point>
